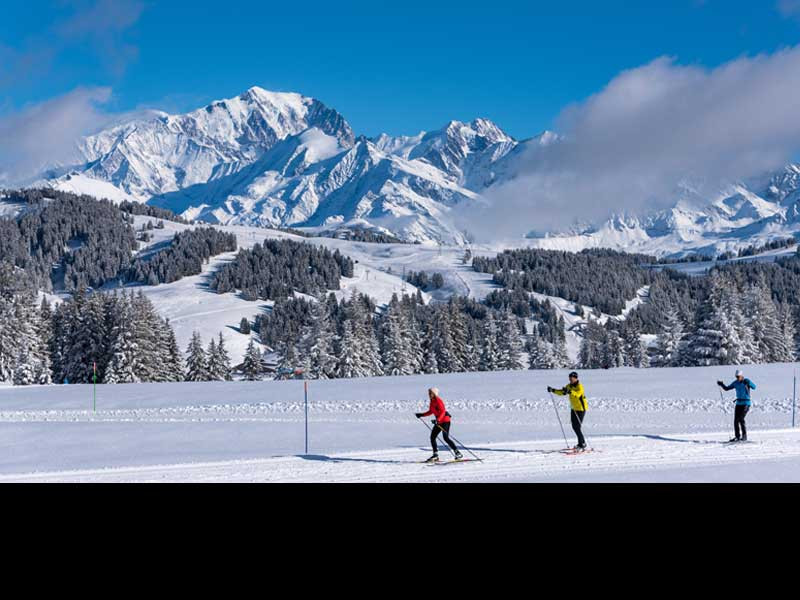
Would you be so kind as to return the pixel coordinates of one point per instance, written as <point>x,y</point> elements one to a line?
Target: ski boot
<point>433,459</point>
<point>459,456</point>
<point>732,440</point>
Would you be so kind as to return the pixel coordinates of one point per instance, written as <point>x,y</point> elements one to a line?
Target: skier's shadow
<point>333,459</point>
<point>443,449</point>
<point>661,438</point>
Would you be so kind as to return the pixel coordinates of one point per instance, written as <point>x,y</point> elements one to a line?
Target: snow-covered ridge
<point>283,159</point>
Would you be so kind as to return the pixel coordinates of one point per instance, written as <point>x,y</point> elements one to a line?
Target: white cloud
<point>628,146</point>
<point>43,135</point>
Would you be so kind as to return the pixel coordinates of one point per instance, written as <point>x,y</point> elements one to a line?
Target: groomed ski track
<point>637,457</point>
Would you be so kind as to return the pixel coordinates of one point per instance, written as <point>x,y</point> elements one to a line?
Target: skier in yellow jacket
<point>577,402</point>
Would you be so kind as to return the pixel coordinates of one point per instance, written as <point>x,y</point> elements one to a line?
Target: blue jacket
<point>742,391</point>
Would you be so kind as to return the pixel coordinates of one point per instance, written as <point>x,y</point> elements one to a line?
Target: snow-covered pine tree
<point>490,353</point>
<point>612,350</point>
<point>590,355</point>
<point>124,346</point>
<point>251,368</point>
<point>560,354</point>
<point>460,336</point>
<point>540,352</point>
<point>349,363</point>
<point>196,360</point>
<point>788,333</point>
<point>24,371</point>
<point>442,342</point>
<point>223,360</point>
<point>509,344</point>
<point>213,367</point>
<point>668,340</point>
<point>708,344</point>
<point>635,351</point>
<point>319,359</point>
<point>171,355</point>
<point>764,323</point>
<point>146,328</point>
<point>396,353</point>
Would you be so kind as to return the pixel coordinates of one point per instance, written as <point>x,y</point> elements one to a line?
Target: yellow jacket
<point>577,397</point>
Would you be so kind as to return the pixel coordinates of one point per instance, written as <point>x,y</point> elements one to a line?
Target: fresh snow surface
<point>646,425</point>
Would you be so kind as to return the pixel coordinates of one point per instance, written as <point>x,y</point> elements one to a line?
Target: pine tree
<point>124,348</point>
<point>510,344</point>
<point>251,368</point>
<point>396,353</point>
<point>489,352</point>
<point>318,355</point>
<point>764,323</point>
<point>196,360</point>
<point>540,353</point>
<point>668,341</point>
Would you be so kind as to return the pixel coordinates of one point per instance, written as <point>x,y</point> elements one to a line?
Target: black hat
<point>574,374</point>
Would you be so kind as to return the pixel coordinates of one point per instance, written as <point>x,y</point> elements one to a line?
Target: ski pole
<point>459,443</point>
<point>555,408</point>
<point>724,409</point>
<point>437,443</point>
<point>456,441</point>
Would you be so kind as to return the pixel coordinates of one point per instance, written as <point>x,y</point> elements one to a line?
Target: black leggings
<point>738,420</point>
<point>576,416</point>
<point>445,431</point>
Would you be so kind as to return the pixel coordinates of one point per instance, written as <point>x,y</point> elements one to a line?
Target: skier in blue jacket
<point>742,385</point>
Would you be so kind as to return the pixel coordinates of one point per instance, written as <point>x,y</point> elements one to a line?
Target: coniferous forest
<point>737,313</point>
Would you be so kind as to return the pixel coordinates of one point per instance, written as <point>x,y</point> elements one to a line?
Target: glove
<point>720,384</point>
<point>418,415</point>
<point>549,389</point>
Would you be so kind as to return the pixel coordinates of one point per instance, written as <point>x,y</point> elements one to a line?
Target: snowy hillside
<point>645,425</point>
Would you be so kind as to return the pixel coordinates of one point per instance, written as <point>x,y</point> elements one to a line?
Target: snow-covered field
<point>646,425</point>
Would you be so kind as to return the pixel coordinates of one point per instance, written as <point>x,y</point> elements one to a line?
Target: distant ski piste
<point>651,424</point>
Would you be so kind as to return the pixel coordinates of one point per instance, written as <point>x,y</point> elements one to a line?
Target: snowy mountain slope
<point>363,430</point>
<point>741,215</point>
<point>165,153</point>
<point>312,180</point>
<point>282,159</point>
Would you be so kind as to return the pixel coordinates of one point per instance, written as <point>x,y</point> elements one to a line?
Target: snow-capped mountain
<point>742,214</point>
<point>283,159</point>
<point>165,153</point>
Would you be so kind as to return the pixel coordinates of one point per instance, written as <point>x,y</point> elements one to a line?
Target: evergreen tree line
<point>520,303</point>
<point>184,257</point>
<point>277,268</point>
<point>91,240</point>
<point>736,321</point>
<point>424,281</point>
<point>328,338</point>
<point>604,279</point>
<point>118,337</point>
<point>138,208</point>
<point>360,234</point>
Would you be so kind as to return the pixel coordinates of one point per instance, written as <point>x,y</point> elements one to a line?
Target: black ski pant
<point>444,429</point>
<point>576,416</point>
<point>738,420</point>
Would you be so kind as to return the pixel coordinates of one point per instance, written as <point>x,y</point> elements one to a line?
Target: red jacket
<point>437,409</point>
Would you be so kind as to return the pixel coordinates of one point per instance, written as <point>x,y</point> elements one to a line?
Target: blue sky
<point>387,67</point>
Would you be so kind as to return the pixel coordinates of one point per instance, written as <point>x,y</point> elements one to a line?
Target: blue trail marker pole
<point>305,386</point>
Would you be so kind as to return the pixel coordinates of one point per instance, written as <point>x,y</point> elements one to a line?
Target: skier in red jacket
<point>440,424</point>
